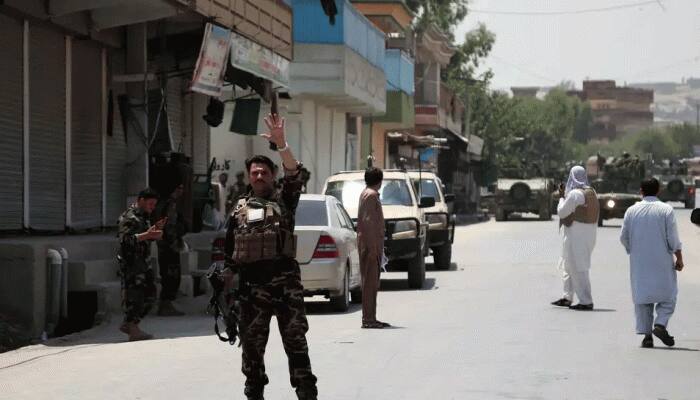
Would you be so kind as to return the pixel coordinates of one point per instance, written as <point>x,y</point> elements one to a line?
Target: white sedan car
<point>327,250</point>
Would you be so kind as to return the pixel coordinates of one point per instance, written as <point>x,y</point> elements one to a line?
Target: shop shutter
<point>47,95</point>
<point>86,132</point>
<point>174,103</point>
<point>116,146</point>
<point>11,129</point>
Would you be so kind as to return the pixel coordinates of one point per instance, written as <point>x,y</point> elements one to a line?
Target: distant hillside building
<point>616,109</point>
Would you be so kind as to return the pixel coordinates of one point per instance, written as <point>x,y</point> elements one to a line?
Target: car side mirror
<point>695,216</point>
<point>427,202</point>
<point>449,198</point>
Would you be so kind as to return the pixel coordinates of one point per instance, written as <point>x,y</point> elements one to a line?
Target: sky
<point>644,43</point>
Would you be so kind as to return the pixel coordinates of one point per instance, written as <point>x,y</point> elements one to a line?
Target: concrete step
<point>83,274</point>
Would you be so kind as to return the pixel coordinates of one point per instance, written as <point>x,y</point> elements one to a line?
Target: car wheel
<point>545,215</point>
<point>342,301</point>
<point>442,256</point>
<point>356,296</point>
<point>416,271</point>
<point>690,204</point>
<point>500,214</point>
<point>600,219</point>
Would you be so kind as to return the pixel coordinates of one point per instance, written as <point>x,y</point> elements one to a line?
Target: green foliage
<point>527,132</point>
<point>445,14</point>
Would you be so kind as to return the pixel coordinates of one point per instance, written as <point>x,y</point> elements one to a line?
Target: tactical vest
<point>261,232</point>
<point>587,213</point>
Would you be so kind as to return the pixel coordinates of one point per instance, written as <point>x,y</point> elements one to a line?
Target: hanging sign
<point>208,76</point>
<point>258,60</point>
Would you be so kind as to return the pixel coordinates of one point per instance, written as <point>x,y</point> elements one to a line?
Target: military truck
<point>676,183</point>
<point>521,190</point>
<point>616,180</point>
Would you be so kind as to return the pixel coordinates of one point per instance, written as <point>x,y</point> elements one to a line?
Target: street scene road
<point>482,330</point>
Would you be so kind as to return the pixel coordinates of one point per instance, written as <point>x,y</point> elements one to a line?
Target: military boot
<point>135,333</point>
<point>167,309</point>
<point>307,393</point>
<point>253,393</point>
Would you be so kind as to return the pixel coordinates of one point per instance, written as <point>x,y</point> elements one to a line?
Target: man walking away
<point>578,211</point>
<point>138,286</point>
<point>169,251</point>
<point>650,236</point>
<point>370,241</point>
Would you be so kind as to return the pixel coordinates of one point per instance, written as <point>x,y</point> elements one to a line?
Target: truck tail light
<point>326,248</point>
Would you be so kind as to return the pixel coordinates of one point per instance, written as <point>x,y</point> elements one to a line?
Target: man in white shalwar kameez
<point>650,236</point>
<point>578,211</point>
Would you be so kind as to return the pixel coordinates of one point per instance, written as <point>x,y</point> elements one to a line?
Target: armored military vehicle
<point>523,190</point>
<point>676,183</point>
<point>616,180</point>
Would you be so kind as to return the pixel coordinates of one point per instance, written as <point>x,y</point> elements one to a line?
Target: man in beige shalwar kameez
<point>370,242</point>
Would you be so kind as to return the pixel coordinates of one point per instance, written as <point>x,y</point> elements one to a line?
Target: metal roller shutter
<point>11,130</point>
<point>86,129</point>
<point>47,94</point>
<point>174,103</point>
<point>116,147</point>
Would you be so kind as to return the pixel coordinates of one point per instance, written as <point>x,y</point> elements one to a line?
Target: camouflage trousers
<point>169,268</point>
<point>281,295</point>
<point>138,292</point>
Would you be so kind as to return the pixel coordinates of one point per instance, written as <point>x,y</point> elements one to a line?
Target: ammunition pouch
<point>224,302</point>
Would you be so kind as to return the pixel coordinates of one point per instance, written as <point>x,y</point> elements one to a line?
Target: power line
<point>521,69</point>
<point>572,12</point>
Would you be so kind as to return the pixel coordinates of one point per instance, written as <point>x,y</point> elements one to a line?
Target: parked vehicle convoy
<point>406,242</point>
<point>441,223</point>
<point>326,250</point>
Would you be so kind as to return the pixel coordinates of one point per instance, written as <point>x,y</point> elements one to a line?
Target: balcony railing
<point>352,29</point>
<point>398,68</point>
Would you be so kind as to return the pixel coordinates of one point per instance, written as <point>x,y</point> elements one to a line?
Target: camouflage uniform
<point>169,248</point>
<point>267,288</point>
<point>138,283</point>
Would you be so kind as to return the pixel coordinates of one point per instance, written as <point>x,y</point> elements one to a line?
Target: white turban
<point>578,179</point>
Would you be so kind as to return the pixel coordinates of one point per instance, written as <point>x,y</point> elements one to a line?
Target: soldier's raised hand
<point>276,135</point>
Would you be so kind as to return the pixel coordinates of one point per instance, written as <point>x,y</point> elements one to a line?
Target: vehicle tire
<point>341,303</point>
<point>500,214</point>
<point>416,272</point>
<point>545,214</point>
<point>690,204</point>
<point>600,219</point>
<point>442,256</point>
<point>356,296</point>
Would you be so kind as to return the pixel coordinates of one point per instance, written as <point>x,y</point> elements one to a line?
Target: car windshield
<point>394,192</point>
<point>311,213</point>
<point>428,188</point>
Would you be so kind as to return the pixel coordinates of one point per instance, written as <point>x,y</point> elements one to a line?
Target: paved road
<point>483,330</point>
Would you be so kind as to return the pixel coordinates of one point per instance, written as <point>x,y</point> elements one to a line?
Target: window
<point>311,213</point>
<point>394,192</point>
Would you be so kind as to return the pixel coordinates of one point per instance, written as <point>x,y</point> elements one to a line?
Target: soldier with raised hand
<point>260,251</point>
<point>137,279</point>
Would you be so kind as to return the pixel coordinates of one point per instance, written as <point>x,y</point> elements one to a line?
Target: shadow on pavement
<point>674,349</point>
<point>611,226</point>
<point>324,308</point>
<point>395,285</point>
<point>431,267</point>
